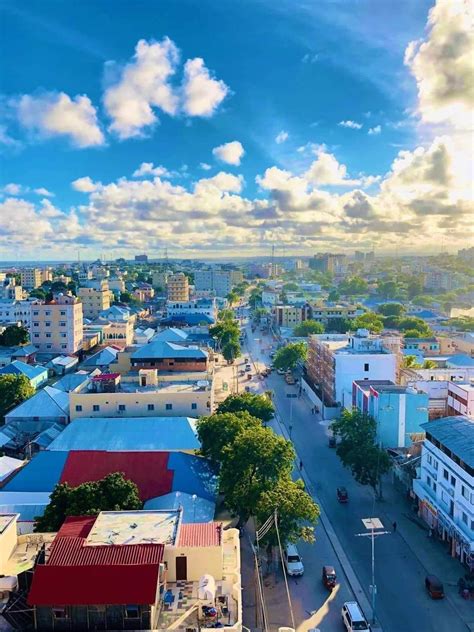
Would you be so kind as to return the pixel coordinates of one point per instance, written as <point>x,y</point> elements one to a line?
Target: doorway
<point>181,568</point>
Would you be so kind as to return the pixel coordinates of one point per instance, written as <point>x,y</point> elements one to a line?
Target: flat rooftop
<point>171,387</point>
<point>5,521</point>
<point>134,527</point>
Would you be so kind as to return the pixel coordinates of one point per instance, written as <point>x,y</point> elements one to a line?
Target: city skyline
<point>311,128</point>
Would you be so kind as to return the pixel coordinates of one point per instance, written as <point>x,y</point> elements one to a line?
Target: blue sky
<point>316,75</point>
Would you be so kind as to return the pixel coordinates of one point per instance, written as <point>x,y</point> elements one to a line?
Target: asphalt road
<point>402,603</point>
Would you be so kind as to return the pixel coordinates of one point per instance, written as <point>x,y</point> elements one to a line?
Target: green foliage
<point>13,336</point>
<point>461,323</point>
<point>308,327</point>
<point>129,299</point>
<point>112,493</point>
<point>389,289</point>
<point>391,309</point>
<point>353,286</point>
<point>220,429</point>
<point>226,314</point>
<point>339,325</point>
<point>370,320</point>
<point>258,313</point>
<point>233,297</point>
<point>259,406</point>
<point>410,362</point>
<point>414,287</point>
<point>255,297</point>
<point>225,331</point>
<point>333,296</point>
<point>289,356</point>
<point>429,364</point>
<point>358,450</point>
<point>291,287</point>
<point>410,324</point>
<point>231,350</point>
<point>40,293</point>
<point>14,389</point>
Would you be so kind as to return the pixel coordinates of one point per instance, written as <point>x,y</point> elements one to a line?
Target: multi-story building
<point>335,361</point>
<point>10,291</point>
<point>144,293</point>
<point>12,311</point>
<point>460,399</point>
<point>327,313</point>
<point>269,297</point>
<point>178,287</point>
<point>425,346</point>
<point>445,487</point>
<point>117,284</point>
<point>291,315</point>
<point>95,297</point>
<point>206,307</point>
<point>217,280</point>
<point>160,278</point>
<point>31,278</point>
<point>399,411</point>
<point>141,258</point>
<point>57,326</point>
<point>327,262</point>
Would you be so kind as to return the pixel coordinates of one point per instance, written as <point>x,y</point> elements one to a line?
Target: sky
<point>223,128</point>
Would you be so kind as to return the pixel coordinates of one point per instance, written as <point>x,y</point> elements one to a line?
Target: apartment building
<point>460,399</point>
<point>10,291</point>
<point>335,361</point>
<point>218,281</point>
<point>160,278</point>
<point>178,287</point>
<point>32,278</point>
<point>445,487</point>
<point>426,346</point>
<point>57,326</point>
<point>96,297</point>
<point>12,311</point>
<point>327,313</point>
<point>327,262</point>
<point>205,308</point>
<point>291,315</point>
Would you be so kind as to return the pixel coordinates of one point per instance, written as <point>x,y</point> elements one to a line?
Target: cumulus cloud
<point>231,153</point>
<point>310,58</point>
<point>85,185</point>
<point>202,94</point>
<point>374,130</point>
<point>205,166</point>
<point>56,114</point>
<point>148,169</point>
<point>326,170</point>
<point>281,137</point>
<point>350,124</point>
<point>12,189</point>
<point>43,192</point>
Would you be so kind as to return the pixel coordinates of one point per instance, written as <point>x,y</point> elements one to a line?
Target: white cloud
<point>231,153</point>
<point>56,114</point>
<point>202,94</point>
<point>350,124</point>
<point>139,86</point>
<point>205,166</point>
<point>12,189</point>
<point>281,137</point>
<point>148,169</point>
<point>224,182</point>
<point>375,130</point>
<point>310,58</point>
<point>85,185</point>
<point>44,192</point>
<point>326,170</point>
<point>6,139</point>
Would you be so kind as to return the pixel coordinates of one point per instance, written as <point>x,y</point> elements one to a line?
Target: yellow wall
<point>8,540</point>
<point>200,560</point>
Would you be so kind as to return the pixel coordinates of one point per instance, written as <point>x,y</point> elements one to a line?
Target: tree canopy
<point>358,450</point>
<point>259,406</point>
<point>218,430</point>
<point>307,327</point>
<point>13,336</point>
<point>412,324</point>
<point>14,389</point>
<point>370,320</point>
<point>112,493</point>
<point>352,286</point>
<point>289,356</point>
<point>231,350</point>
<point>391,309</point>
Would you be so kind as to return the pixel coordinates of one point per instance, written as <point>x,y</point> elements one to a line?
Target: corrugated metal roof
<point>456,434</point>
<point>40,475</point>
<point>48,402</point>
<point>200,534</point>
<point>8,465</point>
<point>21,368</point>
<point>194,508</point>
<point>101,358</point>
<point>160,349</point>
<point>193,475</point>
<point>71,381</point>
<point>171,334</point>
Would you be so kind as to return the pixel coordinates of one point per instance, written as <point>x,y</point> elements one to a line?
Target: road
<point>402,603</point>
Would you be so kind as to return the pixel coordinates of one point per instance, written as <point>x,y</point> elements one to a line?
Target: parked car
<point>281,371</point>
<point>329,577</point>
<point>289,379</point>
<point>353,617</point>
<point>248,367</point>
<point>293,562</point>
<point>332,441</point>
<point>342,495</point>
<point>434,587</point>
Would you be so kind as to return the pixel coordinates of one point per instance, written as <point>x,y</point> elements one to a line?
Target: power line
<point>284,572</point>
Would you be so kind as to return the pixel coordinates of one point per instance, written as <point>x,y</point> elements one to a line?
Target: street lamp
<point>374,526</point>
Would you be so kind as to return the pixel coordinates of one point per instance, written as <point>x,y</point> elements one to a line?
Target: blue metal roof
<point>40,475</point>
<point>460,359</point>
<point>193,475</point>
<point>162,349</point>
<point>171,334</point>
<point>456,434</point>
<point>28,505</point>
<point>128,433</point>
<point>17,367</point>
<point>101,358</point>
<point>194,509</point>
<point>189,319</point>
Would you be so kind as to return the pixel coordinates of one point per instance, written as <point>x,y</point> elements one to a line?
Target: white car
<point>293,562</point>
<point>353,618</point>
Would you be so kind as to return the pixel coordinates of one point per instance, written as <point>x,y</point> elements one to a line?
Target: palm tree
<point>410,362</point>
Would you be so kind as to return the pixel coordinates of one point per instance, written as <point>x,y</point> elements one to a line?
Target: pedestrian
<point>301,464</point>
<point>394,525</point>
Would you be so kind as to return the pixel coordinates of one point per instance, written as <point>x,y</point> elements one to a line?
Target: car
<point>332,441</point>
<point>281,371</point>
<point>434,587</point>
<point>353,617</point>
<point>289,379</point>
<point>342,495</point>
<point>293,562</point>
<point>241,373</point>
<point>248,367</point>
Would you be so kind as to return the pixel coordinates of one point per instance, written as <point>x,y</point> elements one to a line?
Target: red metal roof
<point>148,470</point>
<point>76,527</point>
<point>103,377</point>
<point>200,534</point>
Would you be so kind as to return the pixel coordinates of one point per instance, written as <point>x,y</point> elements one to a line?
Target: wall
<point>171,364</point>
<point>328,412</point>
<point>350,367</point>
<point>8,541</point>
<point>200,560</point>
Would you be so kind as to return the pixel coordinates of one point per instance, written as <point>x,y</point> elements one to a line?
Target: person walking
<point>301,464</point>
<point>394,526</point>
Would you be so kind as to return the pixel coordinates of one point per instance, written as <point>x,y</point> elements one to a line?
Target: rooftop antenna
<point>272,266</point>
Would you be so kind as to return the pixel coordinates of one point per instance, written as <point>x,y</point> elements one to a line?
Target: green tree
<point>339,325</point>
<point>259,313</point>
<point>289,356</point>
<point>297,511</point>
<point>333,296</point>
<point>414,287</point>
<point>255,297</point>
<point>413,323</point>
<point>370,320</point>
<point>231,350</point>
<point>429,364</point>
<point>391,309</point>
<point>13,336</point>
<point>14,389</point>
<point>291,287</point>
<point>232,297</point>
<point>112,493</point>
<point>358,450</point>
<point>410,362</point>
<point>226,314</point>
<point>259,406</point>
<point>221,429</point>
<point>388,289</point>
<point>353,285</point>
<point>251,465</point>
<point>307,327</point>
<point>461,323</point>
<point>225,331</point>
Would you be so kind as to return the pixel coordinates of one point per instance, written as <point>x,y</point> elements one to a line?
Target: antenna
<point>272,265</point>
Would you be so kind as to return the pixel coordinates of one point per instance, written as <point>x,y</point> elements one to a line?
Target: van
<point>293,563</point>
<point>353,618</point>
<point>248,367</point>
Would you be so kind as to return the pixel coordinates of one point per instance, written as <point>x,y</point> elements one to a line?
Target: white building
<point>445,486</point>
<point>201,306</point>
<point>216,280</point>
<point>12,311</point>
<point>269,297</point>
<point>460,399</point>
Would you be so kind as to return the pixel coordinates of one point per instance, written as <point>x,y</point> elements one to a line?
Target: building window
<point>60,612</point>
<point>63,335</point>
<point>63,313</point>
<point>48,346</point>
<point>63,346</point>
<point>429,459</point>
<point>151,407</point>
<point>435,487</point>
<point>35,313</point>
<point>169,406</point>
<point>36,335</point>
<point>464,517</point>
<point>366,366</point>
<point>435,464</point>
<point>453,481</point>
<point>194,406</point>
<point>47,323</point>
<point>446,475</point>
<point>48,335</point>
<point>428,481</point>
<point>78,408</point>
<point>96,408</point>
<point>122,407</point>
<point>464,492</point>
<point>35,324</point>
<point>132,612</point>
<point>48,313</point>
<point>62,323</point>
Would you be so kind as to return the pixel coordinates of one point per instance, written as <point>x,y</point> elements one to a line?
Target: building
<point>205,308</point>
<point>460,399</point>
<point>96,298</point>
<point>141,258</point>
<point>47,406</point>
<point>160,278</point>
<point>399,411</point>
<point>327,262</point>
<point>144,293</point>
<point>291,315</point>
<point>169,356</point>
<point>31,278</point>
<point>335,361</point>
<point>178,288</point>
<point>425,346</point>
<point>57,326</point>
<point>117,285</point>
<point>13,311</point>
<point>270,297</point>
<point>10,290</point>
<point>36,375</point>
<point>457,343</point>
<point>146,394</point>
<point>329,313</point>
<point>445,486</point>
<point>217,280</point>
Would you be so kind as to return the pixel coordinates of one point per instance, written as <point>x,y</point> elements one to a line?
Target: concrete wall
<point>351,367</point>
<point>8,540</point>
<point>328,412</point>
<point>200,560</point>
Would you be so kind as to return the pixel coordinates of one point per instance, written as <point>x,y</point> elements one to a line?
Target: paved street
<point>402,603</point>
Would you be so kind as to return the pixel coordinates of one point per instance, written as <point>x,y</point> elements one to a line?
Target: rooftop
<point>163,349</point>
<point>456,434</point>
<point>134,527</point>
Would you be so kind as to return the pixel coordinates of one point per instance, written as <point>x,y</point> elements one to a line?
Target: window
<point>435,464</point>
<point>453,481</point>
<point>36,335</point>
<point>169,406</point>
<point>122,407</point>
<point>48,346</point>
<point>464,517</point>
<point>35,313</point>
<point>366,366</point>
<point>429,459</point>
<point>48,313</point>
<point>47,323</point>
<point>78,408</point>
<point>446,475</point>
<point>194,406</point>
<point>60,612</point>
<point>36,324</point>
<point>62,313</point>
<point>445,498</point>
<point>151,407</point>
<point>96,408</point>
<point>62,323</point>
<point>435,487</point>
<point>48,335</point>
<point>464,492</point>
<point>63,335</point>
<point>132,612</point>
<point>63,346</point>
<point>428,481</point>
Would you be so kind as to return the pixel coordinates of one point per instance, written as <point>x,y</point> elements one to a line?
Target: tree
<point>225,331</point>
<point>14,389</point>
<point>461,323</point>
<point>388,289</point>
<point>112,493</point>
<point>231,350</point>
<point>221,429</point>
<point>429,364</point>
<point>410,362</point>
<point>391,309</point>
<point>291,287</point>
<point>289,356</point>
<point>255,297</point>
<point>13,336</point>
<point>414,287</point>
<point>258,313</point>
<point>412,323</point>
<point>307,327</point>
<point>333,296</point>
<point>358,450</point>
<point>251,465</point>
<point>258,406</point>
<point>339,325</point>
<point>226,314</point>
<point>353,286</point>
<point>295,509</point>
<point>232,297</point>
<point>370,320</point>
